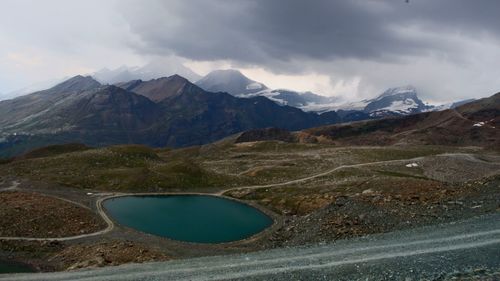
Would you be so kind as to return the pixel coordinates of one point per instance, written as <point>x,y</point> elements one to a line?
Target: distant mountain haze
<point>155,69</point>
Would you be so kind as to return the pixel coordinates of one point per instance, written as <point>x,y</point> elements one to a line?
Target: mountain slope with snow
<point>396,101</point>
<point>235,83</point>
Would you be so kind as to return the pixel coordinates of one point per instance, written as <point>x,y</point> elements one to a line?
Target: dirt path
<point>12,187</point>
<point>343,167</point>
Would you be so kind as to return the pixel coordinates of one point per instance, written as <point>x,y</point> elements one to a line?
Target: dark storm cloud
<point>269,32</point>
<point>448,49</point>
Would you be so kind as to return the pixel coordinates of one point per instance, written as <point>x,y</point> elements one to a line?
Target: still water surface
<point>191,218</point>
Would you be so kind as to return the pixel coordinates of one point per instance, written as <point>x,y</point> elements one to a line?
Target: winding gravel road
<point>469,156</point>
<point>429,252</point>
<point>324,174</point>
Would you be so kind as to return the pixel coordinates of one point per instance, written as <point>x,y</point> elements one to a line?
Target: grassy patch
<point>123,168</point>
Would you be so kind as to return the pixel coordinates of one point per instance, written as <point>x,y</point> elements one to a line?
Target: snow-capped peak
<point>396,101</point>
<point>405,90</point>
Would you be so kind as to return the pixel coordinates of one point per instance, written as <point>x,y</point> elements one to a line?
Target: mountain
<point>158,68</point>
<point>229,81</point>
<point>160,89</point>
<point>25,109</point>
<point>35,87</point>
<point>473,124</point>
<point>161,112</point>
<point>396,101</point>
<point>306,101</point>
<point>393,102</point>
<point>235,83</point>
<point>76,84</point>
<point>77,110</point>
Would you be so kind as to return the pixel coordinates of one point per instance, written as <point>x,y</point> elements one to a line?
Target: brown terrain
<point>458,126</point>
<point>59,256</point>
<point>27,214</point>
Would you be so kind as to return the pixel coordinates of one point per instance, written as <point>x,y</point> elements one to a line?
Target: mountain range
<point>172,111</point>
<point>158,68</point>
<point>161,112</point>
<point>235,83</point>
<point>393,102</point>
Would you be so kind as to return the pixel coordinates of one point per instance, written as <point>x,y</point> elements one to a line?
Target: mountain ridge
<point>168,111</point>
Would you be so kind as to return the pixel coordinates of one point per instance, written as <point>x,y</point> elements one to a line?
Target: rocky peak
<point>77,84</point>
<point>230,81</point>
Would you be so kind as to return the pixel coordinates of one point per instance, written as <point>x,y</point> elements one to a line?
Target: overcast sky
<point>448,49</point>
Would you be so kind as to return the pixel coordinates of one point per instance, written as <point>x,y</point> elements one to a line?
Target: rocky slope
<point>475,123</point>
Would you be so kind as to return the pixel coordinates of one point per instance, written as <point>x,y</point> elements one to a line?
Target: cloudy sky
<point>448,49</point>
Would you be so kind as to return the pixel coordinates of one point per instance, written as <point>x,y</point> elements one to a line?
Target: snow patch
<point>403,106</point>
<point>254,86</point>
<point>397,91</point>
<point>265,93</point>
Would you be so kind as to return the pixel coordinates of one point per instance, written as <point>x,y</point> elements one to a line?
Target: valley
<point>316,193</point>
<point>280,177</point>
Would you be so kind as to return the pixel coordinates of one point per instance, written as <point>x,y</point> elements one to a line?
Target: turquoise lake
<point>191,218</point>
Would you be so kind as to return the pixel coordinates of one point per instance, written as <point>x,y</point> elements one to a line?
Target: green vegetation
<point>120,168</point>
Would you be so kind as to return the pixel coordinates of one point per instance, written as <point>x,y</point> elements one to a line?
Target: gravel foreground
<point>466,249</point>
